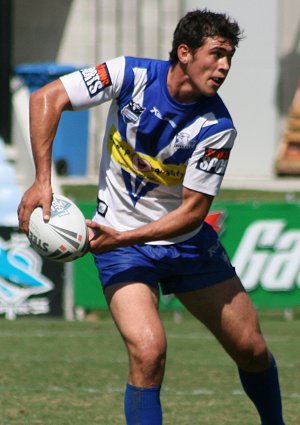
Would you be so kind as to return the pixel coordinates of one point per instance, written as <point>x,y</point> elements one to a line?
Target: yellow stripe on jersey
<point>145,166</point>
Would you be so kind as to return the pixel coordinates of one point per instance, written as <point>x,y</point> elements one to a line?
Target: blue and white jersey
<point>153,145</point>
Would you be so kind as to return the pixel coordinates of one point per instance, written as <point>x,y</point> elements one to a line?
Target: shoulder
<point>151,67</point>
<point>142,72</point>
<point>140,62</point>
<point>216,114</point>
<point>216,105</point>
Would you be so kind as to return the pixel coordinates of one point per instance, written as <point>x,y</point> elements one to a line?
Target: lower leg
<point>142,396</point>
<point>263,390</point>
<point>142,406</point>
<point>144,336</point>
<point>228,312</point>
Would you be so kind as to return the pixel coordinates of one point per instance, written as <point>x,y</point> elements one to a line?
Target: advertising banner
<point>29,284</point>
<point>87,288</point>
<point>262,240</point>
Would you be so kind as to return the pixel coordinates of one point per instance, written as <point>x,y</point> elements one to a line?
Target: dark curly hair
<point>198,25</point>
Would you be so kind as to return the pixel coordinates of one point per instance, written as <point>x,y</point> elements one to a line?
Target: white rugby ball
<point>65,236</point>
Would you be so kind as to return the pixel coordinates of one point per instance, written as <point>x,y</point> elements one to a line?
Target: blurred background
<point>43,39</point>
<point>68,34</point>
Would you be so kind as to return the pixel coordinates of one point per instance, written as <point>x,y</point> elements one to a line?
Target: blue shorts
<point>196,263</point>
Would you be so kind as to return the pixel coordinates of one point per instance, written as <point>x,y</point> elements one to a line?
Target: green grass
<point>89,193</point>
<point>238,195</point>
<point>86,193</point>
<point>74,373</point>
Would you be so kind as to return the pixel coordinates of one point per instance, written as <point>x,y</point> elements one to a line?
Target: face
<point>206,68</point>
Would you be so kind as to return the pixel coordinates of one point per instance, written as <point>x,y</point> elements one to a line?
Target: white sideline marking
<point>194,392</point>
<point>39,334</point>
<point>193,336</point>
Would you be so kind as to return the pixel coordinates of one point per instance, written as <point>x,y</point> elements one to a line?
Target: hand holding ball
<point>65,236</point>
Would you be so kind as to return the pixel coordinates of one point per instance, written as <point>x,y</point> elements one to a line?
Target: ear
<point>183,53</point>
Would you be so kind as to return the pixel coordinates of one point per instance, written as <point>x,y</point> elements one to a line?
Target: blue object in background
<point>10,193</point>
<point>71,140</point>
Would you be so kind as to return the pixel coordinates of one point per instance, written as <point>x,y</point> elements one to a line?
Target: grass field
<point>89,193</point>
<point>55,372</point>
<point>73,373</point>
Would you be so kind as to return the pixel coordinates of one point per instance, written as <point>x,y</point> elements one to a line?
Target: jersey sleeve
<point>207,166</point>
<point>92,86</point>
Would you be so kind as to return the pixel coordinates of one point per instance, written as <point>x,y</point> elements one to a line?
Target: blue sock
<point>264,391</point>
<point>142,406</point>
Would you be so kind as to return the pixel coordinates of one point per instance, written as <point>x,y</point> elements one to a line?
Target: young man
<point>167,143</point>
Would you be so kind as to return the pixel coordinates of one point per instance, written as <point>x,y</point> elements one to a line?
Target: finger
<point>88,222</point>
<point>94,246</point>
<point>91,224</point>
<point>91,234</point>
<point>47,209</point>
<point>46,214</point>
<point>23,217</point>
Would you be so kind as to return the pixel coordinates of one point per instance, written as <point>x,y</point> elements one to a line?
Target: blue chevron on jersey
<point>136,187</point>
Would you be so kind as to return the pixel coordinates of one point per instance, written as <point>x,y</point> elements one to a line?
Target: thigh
<point>134,307</point>
<point>226,310</point>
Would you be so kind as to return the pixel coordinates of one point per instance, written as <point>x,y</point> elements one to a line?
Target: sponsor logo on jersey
<point>159,115</point>
<point>214,161</point>
<point>141,165</point>
<point>183,141</point>
<point>268,255</point>
<point>132,112</point>
<point>96,79</point>
<point>101,207</point>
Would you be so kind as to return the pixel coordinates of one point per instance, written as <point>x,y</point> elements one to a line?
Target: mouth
<point>218,81</point>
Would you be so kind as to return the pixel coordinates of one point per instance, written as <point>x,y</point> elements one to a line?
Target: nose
<point>225,63</point>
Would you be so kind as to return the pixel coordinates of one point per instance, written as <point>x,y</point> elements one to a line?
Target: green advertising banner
<point>87,288</point>
<point>262,240</point>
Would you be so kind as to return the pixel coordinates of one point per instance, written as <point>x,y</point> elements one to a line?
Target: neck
<point>179,85</point>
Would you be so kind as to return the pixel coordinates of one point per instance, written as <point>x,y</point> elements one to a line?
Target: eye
<point>217,54</point>
<point>222,53</point>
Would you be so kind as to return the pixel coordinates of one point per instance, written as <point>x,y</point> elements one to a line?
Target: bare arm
<point>187,217</point>
<point>46,106</point>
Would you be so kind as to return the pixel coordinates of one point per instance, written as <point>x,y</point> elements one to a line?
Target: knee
<point>253,354</point>
<point>148,361</point>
